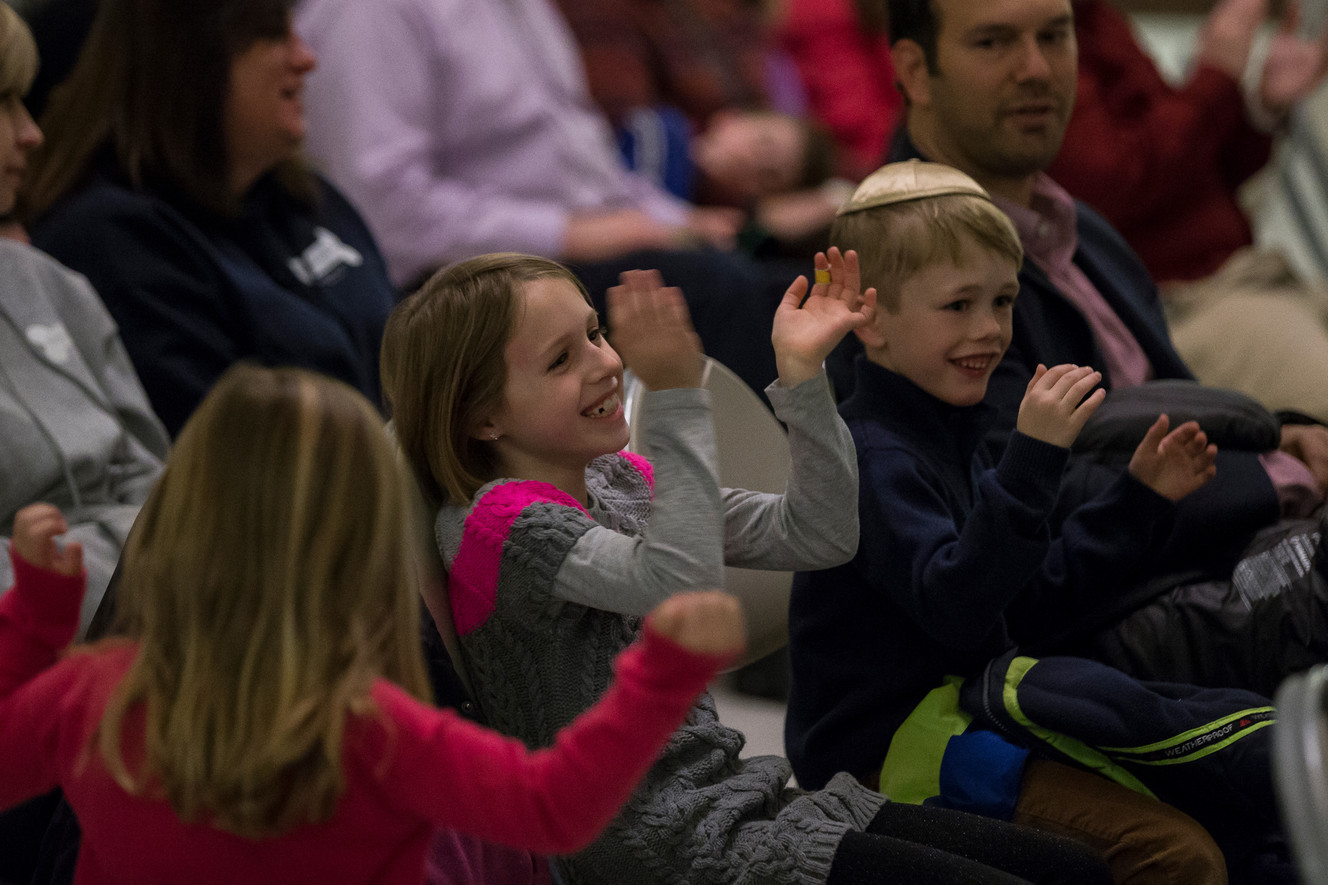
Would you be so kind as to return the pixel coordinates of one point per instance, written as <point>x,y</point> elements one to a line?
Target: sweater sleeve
<point>1135,144</point>
<point>814,524</point>
<point>956,573</point>
<point>1101,550</point>
<point>38,618</point>
<point>681,548</point>
<point>558,799</point>
<point>959,574</point>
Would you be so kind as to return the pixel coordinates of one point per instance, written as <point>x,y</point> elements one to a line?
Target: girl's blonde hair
<point>267,583</point>
<point>18,55</point>
<point>444,367</point>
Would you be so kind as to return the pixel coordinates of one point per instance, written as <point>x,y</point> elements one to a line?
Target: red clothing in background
<point>408,771</point>
<point>849,78</point>
<point>699,56</point>
<point>1161,163</point>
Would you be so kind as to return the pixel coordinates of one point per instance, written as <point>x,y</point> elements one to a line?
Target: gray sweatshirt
<point>76,429</point>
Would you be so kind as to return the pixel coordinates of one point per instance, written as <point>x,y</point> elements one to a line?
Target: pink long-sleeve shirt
<point>409,770</point>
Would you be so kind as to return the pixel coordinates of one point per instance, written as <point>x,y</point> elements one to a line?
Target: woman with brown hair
<point>171,178</point>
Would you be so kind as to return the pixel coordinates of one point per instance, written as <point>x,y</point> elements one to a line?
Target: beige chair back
<point>753,454</point>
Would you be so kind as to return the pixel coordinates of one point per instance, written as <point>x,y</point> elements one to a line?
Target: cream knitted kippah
<point>910,180</point>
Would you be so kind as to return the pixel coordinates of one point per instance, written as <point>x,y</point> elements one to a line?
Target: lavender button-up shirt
<point>461,126</point>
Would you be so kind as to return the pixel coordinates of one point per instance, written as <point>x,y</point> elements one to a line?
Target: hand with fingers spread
<point>1054,408</point>
<point>1293,66</point>
<point>1176,463</point>
<point>807,329</point>
<point>705,622</point>
<point>1227,35</point>
<point>35,528</point>
<point>651,329</point>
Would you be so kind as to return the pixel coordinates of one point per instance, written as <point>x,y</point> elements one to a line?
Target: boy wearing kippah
<point>956,564</point>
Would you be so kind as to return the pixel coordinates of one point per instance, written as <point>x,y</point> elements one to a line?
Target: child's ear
<point>870,334</point>
<point>486,431</point>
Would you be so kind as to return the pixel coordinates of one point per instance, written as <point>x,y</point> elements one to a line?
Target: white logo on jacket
<point>324,256</point>
<point>53,341</point>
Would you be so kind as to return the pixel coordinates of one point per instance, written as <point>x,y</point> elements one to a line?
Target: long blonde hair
<point>443,365</point>
<point>267,583</point>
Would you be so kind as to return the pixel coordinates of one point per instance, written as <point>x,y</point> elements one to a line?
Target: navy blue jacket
<point>193,293</point>
<point>1212,525</point>
<point>957,562</point>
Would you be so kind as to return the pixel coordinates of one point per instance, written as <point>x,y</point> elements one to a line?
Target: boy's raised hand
<point>1054,409</point>
<point>1176,463</point>
<point>35,528</point>
<point>651,329</point>
<point>805,331</point>
<point>705,621</point>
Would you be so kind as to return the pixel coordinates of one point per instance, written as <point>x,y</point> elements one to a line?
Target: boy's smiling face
<point>952,326</point>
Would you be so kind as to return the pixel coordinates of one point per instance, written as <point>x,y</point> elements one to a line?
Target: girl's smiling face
<point>562,402</point>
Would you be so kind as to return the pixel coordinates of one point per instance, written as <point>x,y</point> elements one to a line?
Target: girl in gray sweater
<point>507,401</point>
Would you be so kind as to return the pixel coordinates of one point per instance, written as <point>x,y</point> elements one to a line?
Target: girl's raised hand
<point>1054,409</point>
<point>1176,463</point>
<point>35,528</point>
<point>805,331</point>
<point>651,329</point>
<point>705,621</point>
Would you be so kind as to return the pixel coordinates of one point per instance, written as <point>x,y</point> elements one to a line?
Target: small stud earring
<point>493,435</point>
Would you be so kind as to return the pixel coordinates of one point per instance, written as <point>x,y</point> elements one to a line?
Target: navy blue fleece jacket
<point>282,283</point>
<point>958,560</point>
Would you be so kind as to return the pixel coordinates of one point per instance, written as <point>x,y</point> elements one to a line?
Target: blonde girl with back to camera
<point>265,721</point>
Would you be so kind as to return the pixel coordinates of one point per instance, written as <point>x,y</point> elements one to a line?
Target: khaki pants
<point>1142,839</point>
<point>1254,326</point>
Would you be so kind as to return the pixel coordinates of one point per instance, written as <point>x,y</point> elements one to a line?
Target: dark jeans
<point>21,830</point>
<point>932,846</point>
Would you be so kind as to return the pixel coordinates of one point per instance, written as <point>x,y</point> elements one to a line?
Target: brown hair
<point>150,85</point>
<point>267,583</point>
<point>444,367</point>
<point>919,21</point>
<point>897,240</point>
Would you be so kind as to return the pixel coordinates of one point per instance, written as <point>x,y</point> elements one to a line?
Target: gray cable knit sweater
<point>546,592</point>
